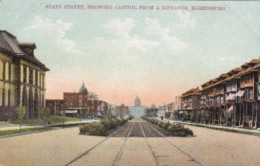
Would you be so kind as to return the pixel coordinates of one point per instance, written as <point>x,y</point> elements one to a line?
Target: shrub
<point>94,128</point>
<point>179,130</point>
<point>152,121</point>
<point>107,123</point>
<point>113,123</point>
<point>165,125</point>
<point>160,123</point>
<point>119,121</point>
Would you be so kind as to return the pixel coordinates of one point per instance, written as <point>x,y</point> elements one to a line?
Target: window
<point>36,78</point>
<point>249,94</point>
<point>9,97</point>
<point>24,74</point>
<point>258,90</point>
<point>221,99</point>
<point>31,76</point>
<point>3,97</point>
<point>4,70</point>
<point>9,72</point>
<point>258,76</point>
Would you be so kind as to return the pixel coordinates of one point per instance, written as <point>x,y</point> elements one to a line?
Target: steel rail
<point>93,147</point>
<point>120,153</point>
<point>176,146</point>
<point>149,146</point>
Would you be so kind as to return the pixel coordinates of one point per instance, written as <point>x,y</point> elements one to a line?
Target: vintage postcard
<point>130,82</point>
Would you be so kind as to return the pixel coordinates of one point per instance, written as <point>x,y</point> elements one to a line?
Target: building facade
<point>55,106</point>
<point>22,78</point>
<point>233,98</point>
<point>79,104</point>
<point>137,110</point>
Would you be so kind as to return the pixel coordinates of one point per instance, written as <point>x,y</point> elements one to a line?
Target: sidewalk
<point>10,126</point>
<point>216,127</point>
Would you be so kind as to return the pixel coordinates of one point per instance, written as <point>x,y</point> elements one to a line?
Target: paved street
<point>60,147</point>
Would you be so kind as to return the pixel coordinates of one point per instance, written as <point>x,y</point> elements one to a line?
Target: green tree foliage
<point>45,113</point>
<point>21,114</point>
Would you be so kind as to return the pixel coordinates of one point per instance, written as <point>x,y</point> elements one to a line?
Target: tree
<point>45,113</point>
<point>21,114</point>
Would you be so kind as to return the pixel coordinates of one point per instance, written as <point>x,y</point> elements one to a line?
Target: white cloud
<point>120,27</point>
<point>122,38</point>
<point>186,21</point>
<point>154,28</point>
<point>54,32</point>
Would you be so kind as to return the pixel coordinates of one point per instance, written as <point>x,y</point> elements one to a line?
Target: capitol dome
<point>137,101</point>
<point>83,89</point>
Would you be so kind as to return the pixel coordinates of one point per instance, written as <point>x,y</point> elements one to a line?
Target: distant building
<point>137,102</point>
<point>81,103</point>
<point>161,111</point>
<point>55,106</point>
<point>22,78</point>
<point>122,111</point>
<point>137,110</point>
<point>76,103</point>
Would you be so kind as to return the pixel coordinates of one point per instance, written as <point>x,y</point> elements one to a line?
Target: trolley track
<point>149,146</point>
<point>120,153</point>
<point>176,146</point>
<point>95,146</point>
<point>145,130</point>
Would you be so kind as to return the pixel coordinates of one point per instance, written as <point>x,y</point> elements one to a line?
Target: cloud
<point>154,28</point>
<point>124,37</point>
<point>120,37</point>
<point>186,21</point>
<point>121,28</point>
<point>54,32</point>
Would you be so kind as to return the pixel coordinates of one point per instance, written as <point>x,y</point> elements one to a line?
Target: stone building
<point>22,78</point>
<point>137,110</point>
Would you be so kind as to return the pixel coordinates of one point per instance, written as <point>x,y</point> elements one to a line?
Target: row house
<point>189,104</point>
<point>212,101</point>
<point>232,98</point>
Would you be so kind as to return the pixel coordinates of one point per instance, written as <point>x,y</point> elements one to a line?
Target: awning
<point>71,111</point>
<point>240,93</point>
<point>231,97</point>
<point>230,109</point>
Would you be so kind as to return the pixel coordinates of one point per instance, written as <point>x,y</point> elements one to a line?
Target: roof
<point>236,73</point>
<point>10,45</point>
<point>83,89</point>
<point>193,91</point>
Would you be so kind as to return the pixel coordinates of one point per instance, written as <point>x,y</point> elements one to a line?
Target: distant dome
<point>83,89</point>
<point>137,101</point>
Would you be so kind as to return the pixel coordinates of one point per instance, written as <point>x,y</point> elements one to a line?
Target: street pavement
<point>59,147</point>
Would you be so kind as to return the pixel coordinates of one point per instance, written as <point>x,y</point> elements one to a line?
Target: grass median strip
<point>13,132</point>
<point>22,131</point>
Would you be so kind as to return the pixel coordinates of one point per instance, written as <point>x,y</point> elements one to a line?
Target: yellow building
<point>22,78</point>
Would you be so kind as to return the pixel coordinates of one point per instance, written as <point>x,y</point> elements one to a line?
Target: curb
<point>222,129</point>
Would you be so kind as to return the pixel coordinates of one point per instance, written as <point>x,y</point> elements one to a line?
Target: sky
<point>119,54</point>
